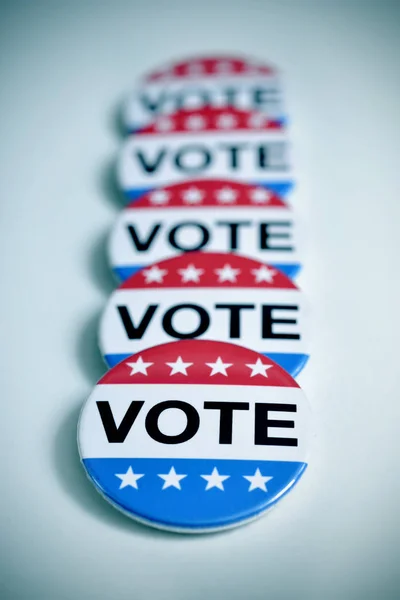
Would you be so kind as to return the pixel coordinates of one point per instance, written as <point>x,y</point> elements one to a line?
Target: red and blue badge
<point>194,84</point>
<point>226,297</point>
<point>225,143</point>
<point>195,436</point>
<point>207,214</point>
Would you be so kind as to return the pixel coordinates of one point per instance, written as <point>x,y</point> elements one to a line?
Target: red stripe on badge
<point>208,270</point>
<point>203,362</point>
<point>211,119</point>
<point>217,66</point>
<point>209,192</point>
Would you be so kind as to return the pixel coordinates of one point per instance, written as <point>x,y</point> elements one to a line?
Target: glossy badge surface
<point>213,215</point>
<point>207,143</point>
<point>200,82</point>
<point>195,436</point>
<point>224,297</point>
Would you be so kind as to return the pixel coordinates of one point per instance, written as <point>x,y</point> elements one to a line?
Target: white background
<point>65,67</point>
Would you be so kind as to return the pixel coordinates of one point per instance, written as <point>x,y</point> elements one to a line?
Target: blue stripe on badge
<point>282,188</point>
<point>188,504</point>
<point>136,193</point>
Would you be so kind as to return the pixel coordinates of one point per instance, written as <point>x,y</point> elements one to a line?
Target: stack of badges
<point>207,327</point>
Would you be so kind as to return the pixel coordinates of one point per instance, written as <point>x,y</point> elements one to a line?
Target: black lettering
<point>234,323</point>
<point>266,235</point>
<point>204,241</point>
<point>233,154</point>
<point>268,321</point>
<point>226,417</point>
<point>263,157</point>
<point>272,156</point>
<point>133,332</point>
<point>192,424</point>
<point>143,245</point>
<point>117,435</point>
<point>202,154</point>
<point>263,422</point>
<point>150,166</point>
<point>234,231</point>
<point>263,96</point>
<point>153,106</point>
<point>184,99</point>
<point>230,96</point>
<point>203,325</point>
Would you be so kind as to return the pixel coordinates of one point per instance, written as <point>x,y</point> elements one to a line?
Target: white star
<point>195,122</point>
<point>257,481</point>
<point>191,274</point>
<point>227,273</point>
<point>154,274</point>
<point>172,479</point>
<point>226,121</point>
<point>139,366</point>
<point>159,197</point>
<point>264,273</point>
<point>179,366</point>
<point>164,124</point>
<point>226,195</point>
<point>257,120</point>
<point>260,196</point>
<point>258,368</point>
<point>219,367</point>
<point>192,195</point>
<point>215,480</point>
<point>129,479</point>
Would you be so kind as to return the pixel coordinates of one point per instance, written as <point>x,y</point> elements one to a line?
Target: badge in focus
<point>195,436</point>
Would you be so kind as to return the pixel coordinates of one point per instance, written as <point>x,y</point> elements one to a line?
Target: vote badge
<point>225,143</point>
<point>200,82</point>
<point>195,436</point>
<point>211,295</point>
<point>183,218</point>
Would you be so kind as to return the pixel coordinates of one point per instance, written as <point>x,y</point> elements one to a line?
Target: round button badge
<point>195,436</point>
<point>204,81</point>
<point>225,143</point>
<point>183,218</point>
<point>226,297</point>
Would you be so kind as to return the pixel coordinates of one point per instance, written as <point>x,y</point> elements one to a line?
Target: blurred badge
<point>183,217</point>
<point>211,67</point>
<point>224,143</point>
<point>195,436</point>
<point>194,84</point>
<point>219,296</point>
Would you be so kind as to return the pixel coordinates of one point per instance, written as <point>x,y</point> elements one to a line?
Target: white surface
<point>65,66</point>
